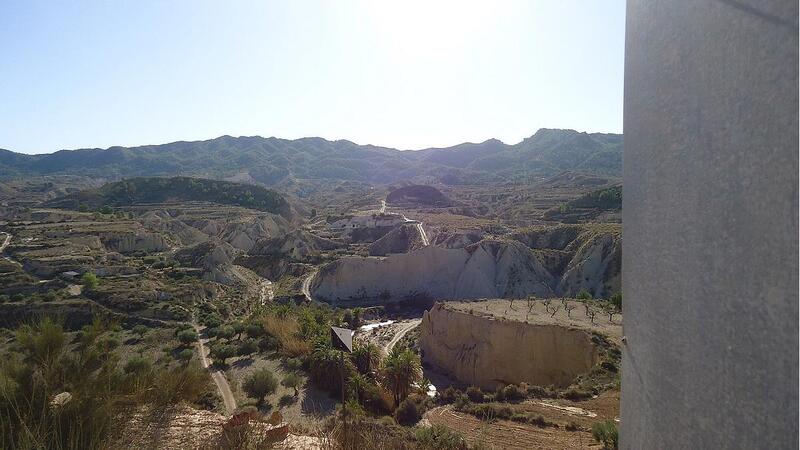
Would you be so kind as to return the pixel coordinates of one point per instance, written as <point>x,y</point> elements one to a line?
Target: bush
<point>268,344</point>
<point>407,413</point>
<point>616,300</point>
<point>293,364</point>
<point>136,365</point>
<point>186,354</point>
<point>475,394</point>
<point>140,330</point>
<point>254,330</point>
<point>439,437</point>
<point>248,347</point>
<point>89,280</point>
<point>576,394</point>
<point>513,393</point>
<point>261,383</point>
<point>448,395</point>
<point>488,412</point>
<point>584,294</point>
<point>606,434</point>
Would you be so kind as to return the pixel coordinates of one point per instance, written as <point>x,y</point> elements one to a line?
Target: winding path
<point>219,378</point>
<point>402,330</point>
<point>306,289</point>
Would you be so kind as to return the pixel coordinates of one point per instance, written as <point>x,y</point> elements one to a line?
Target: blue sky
<point>405,74</point>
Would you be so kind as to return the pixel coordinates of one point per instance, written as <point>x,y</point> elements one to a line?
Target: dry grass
<point>287,331</point>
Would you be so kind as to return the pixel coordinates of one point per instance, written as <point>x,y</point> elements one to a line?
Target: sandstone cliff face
<point>486,269</point>
<point>490,353</point>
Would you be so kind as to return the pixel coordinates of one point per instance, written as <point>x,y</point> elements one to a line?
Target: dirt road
<point>307,285</point>
<point>400,331</point>
<point>219,378</point>
<point>6,241</point>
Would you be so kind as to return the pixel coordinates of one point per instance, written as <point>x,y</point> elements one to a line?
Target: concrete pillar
<point>710,218</point>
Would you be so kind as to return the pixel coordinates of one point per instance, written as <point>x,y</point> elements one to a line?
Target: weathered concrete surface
<point>491,353</point>
<point>710,257</point>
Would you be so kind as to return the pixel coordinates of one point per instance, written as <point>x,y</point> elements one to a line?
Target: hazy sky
<point>405,74</point>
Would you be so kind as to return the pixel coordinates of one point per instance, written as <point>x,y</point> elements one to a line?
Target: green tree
<point>89,280</point>
<point>226,332</point>
<point>222,352</point>
<point>238,329</point>
<point>401,369</point>
<point>186,354</point>
<point>292,380</point>
<point>584,294</point>
<point>187,337</point>
<point>260,384</point>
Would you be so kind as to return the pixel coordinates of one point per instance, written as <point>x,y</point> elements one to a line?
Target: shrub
<point>584,294</point>
<point>513,393</point>
<point>90,280</point>
<point>616,300</point>
<point>606,434</point>
<point>186,354</point>
<point>261,383</point>
<point>248,347</point>
<point>448,395</point>
<point>572,426</point>
<point>439,437</point>
<point>226,332</point>
<point>268,344</point>
<point>140,330</point>
<point>575,394</point>
<point>293,364</point>
<point>475,394</point>
<point>407,413</point>
<point>489,412</point>
<point>254,330</point>
<point>136,365</point>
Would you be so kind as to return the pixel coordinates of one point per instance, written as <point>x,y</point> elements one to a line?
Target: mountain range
<point>274,161</point>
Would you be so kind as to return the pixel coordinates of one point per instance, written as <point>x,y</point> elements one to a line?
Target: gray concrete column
<point>710,214</point>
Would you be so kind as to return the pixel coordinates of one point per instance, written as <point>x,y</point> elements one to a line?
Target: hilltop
<point>273,161</point>
<point>177,189</point>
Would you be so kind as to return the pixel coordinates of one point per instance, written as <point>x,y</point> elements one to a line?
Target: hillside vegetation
<point>273,161</point>
<point>158,190</point>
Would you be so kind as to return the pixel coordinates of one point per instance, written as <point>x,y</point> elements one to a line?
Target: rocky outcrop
<point>134,242</point>
<point>215,258</point>
<point>298,245</point>
<point>490,353</point>
<point>486,269</point>
<point>580,256</point>
<point>456,239</point>
<point>402,239</point>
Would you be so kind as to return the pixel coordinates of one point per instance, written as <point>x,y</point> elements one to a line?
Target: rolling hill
<point>273,161</point>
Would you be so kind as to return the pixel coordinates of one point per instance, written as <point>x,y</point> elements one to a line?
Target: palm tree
<point>358,386</point>
<point>401,369</point>
<point>366,357</point>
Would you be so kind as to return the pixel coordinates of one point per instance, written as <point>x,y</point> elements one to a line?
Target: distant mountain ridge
<point>272,161</point>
